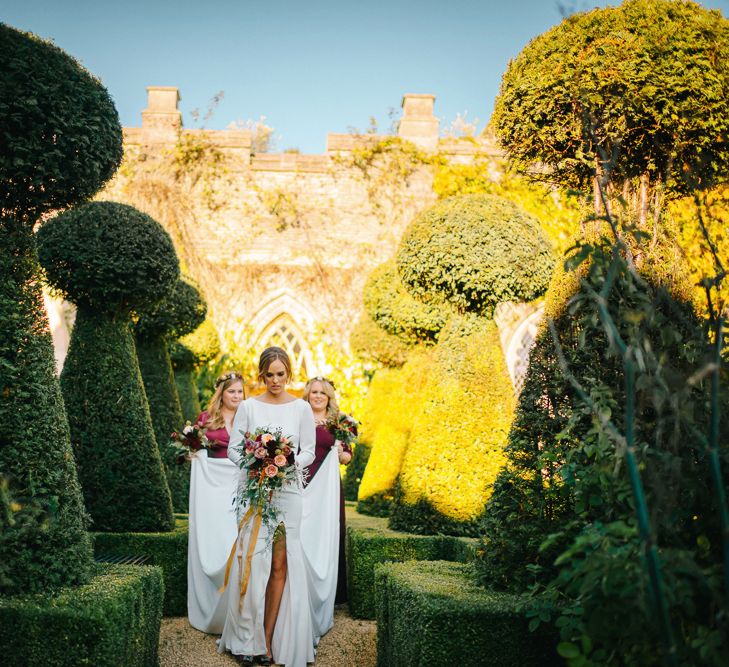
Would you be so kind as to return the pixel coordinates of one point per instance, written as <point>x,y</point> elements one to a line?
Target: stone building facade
<point>282,243</point>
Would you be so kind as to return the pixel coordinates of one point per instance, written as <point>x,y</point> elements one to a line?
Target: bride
<point>271,620</point>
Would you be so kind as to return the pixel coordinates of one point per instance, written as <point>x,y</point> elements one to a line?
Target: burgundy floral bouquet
<point>190,440</point>
<point>268,459</point>
<point>344,429</point>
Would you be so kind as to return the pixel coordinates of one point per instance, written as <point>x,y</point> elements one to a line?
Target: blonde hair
<point>271,354</point>
<point>215,406</point>
<point>328,388</point>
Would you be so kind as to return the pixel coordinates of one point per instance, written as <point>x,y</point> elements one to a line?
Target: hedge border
<point>370,542</point>
<point>113,621</point>
<point>167,550</point>
<point>432,613</point>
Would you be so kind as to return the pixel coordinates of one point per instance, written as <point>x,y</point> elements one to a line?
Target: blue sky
<point>309,66</point>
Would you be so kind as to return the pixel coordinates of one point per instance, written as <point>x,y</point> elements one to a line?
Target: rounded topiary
<point>475,252</point>
<point>59,130</point>
<point>392,307</point>
<point>61,140</point>
<point>110,260</point>
<point>204,342</point>
<point>108,257</point>
<point>180,313</point>
<point>183,367</point>
<point>372,343</point>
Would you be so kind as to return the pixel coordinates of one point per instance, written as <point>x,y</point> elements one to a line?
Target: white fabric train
<point>320,541</point>
<point>213,529</point>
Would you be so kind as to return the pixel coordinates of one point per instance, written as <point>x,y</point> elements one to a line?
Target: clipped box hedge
<point>432,613</point>
<point>113,621</point>
<point>370,542</point>
<point>168,550</point>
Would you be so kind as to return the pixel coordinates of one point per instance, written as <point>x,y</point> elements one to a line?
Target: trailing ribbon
<point>249,556</point>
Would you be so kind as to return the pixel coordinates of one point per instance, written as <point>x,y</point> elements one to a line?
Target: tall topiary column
<point>180,313</point>
<point>110,260</point>
<point>61,141</point>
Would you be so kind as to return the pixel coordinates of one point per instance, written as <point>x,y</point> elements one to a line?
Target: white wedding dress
<point>212,530</point>
<point>320,540</point>
<point>243,634</point>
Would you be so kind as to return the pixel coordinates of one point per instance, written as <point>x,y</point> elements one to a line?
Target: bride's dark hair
<point>271,354</point>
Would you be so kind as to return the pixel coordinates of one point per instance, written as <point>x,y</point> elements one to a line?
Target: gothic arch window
<point>284,333</point>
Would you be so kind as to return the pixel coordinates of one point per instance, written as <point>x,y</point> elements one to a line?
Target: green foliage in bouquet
<point>178,314</point>
<point>372,343</point>
<point>393,308</point>
<point>110,260</point>
<point>457,439</point>
<point>612,80</point>
<point>563,515</point>
<point>50,107</point>
<point>474,252</point>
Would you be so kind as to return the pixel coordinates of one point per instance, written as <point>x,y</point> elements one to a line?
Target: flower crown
<point>226,377</point>
<point>319,378</point>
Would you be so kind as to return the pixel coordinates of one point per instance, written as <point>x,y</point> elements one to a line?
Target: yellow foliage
<point>457,440</point>
<point>392,401</point>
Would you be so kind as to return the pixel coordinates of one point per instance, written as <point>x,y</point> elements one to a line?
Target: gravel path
<point>351,643</point>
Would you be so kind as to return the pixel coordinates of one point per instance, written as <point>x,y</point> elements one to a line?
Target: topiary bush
<point>393,401</point>
<point>182,359</point>
<point>457,439</point>
<point>179,313</point>
<point>392,307</point>
<point>474,252</point>
<point>110,259</point>
<point>355,470</point>
<point>371,342</point>
<point>50,107</point>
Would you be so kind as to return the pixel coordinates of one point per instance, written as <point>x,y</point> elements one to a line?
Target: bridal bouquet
<point>268,458</point>
<point>344,429</point>
<point>190,439</point>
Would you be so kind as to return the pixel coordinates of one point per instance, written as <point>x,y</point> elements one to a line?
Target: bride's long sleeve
<point>307,437</point>
<point>240,426</point>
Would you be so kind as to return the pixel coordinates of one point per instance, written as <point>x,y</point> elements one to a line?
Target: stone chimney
<point>418,124</point>
<point>161,120</point>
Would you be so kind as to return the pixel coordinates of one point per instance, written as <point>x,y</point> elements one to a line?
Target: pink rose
<point>260,453</point>
<point>271,471</point>
<point>280,460</point>
<point>285,450</point>
<point>266,438</point>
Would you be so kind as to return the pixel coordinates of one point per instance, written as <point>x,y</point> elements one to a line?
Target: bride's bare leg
<point>275,586</point>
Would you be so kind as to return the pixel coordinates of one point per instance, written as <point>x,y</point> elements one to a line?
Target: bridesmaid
<point>212,527</point>
<point>323,524</point>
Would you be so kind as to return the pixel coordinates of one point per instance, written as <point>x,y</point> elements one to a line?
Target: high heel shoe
<point>246,660</point>
<point>263,660</point>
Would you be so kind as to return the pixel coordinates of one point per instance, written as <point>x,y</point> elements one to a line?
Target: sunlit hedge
<point>392,403</point>
<point>457,440</point>
<point>474,252</point>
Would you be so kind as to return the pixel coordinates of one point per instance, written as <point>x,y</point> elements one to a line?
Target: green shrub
<point>203,342</point>
<point>392,307</point>
<point>167,550</point>
<point>370,542</point>
<point>457,438</point>
<point>431,613</point>
<point>59,128</point>
<point>113,621</point>
<point>178,314</point>
<point>110,259</point>
<point>372,343</point>
<point>183,367</point>
<point>50,107</point>
<point>355,469</point>
<point>474,252</point>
